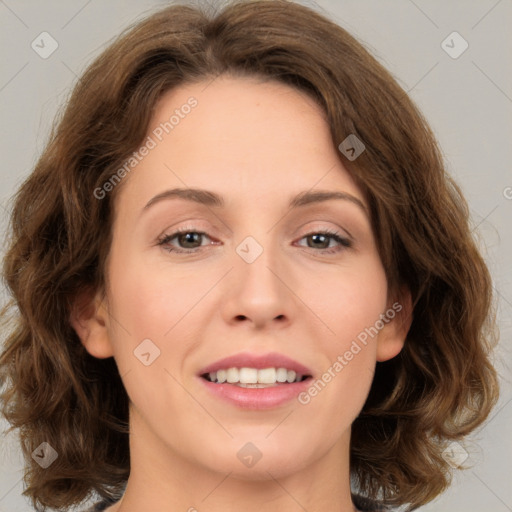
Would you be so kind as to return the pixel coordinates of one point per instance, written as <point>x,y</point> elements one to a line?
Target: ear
<point>89,319</point>
<point>397,322</point>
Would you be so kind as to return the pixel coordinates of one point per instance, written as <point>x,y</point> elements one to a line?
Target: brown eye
<point>187,240</point>
<point>320,239</point>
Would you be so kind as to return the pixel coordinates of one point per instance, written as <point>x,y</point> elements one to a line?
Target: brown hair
<point>439,388</point>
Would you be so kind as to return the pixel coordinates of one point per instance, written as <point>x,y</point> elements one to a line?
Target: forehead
<point>242,137</point>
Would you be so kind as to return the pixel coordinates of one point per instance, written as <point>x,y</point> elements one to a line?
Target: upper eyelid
<point>195,225</point>
<point>207,231</point>
<point>318,213</point>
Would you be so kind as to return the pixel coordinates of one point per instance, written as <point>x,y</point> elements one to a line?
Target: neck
<point>162,479</point>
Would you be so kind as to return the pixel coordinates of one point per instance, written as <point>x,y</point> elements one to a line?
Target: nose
<point>258,294</point>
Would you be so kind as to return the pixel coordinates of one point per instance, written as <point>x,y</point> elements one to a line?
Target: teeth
<point>248,376</point>
<point>252,377</point>
<point>232,375</point>
<point>281,375</point>
<point>266,376</point>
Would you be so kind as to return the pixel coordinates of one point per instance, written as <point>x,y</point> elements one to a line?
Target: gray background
<point>467,100</point>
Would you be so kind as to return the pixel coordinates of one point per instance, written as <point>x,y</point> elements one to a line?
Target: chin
<point>262,470</point>
<point>254,458</point>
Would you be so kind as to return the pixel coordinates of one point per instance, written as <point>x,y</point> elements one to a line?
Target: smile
<point>254,377</point>
<point>255,381</point>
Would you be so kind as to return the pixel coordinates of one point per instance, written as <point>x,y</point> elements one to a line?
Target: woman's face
<point>254,278</point>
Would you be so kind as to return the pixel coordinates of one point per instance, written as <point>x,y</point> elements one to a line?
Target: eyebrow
<point>208,198</point>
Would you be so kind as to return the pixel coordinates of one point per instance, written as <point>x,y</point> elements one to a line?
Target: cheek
<point>147,318</point>
<point>148,301</point>
<point>351,300</point>
<point>351,305</point>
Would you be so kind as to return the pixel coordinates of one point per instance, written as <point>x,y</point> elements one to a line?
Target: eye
<point>320,238</point>
<point>190,240</point>
<point>186,236</point>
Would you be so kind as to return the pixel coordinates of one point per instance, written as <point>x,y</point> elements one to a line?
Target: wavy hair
<point>439,388</point>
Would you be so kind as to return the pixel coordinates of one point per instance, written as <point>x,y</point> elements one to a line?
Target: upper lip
<point>260,361</point>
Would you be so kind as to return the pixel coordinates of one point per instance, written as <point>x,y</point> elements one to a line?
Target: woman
<point>244,280</point>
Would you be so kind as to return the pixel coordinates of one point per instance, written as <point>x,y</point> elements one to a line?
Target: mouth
<point>256,382</point>
<point>247,377</point>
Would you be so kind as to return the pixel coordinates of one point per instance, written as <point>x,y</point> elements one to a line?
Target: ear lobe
<point>88,318</point>
<point>391,338</point>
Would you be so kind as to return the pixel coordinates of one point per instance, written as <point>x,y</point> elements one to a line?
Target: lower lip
<point>257,398</point>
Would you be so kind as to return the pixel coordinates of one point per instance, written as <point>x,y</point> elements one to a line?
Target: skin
<point>257,144</point>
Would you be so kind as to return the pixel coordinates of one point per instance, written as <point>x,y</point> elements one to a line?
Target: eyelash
<point>335,235</point>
